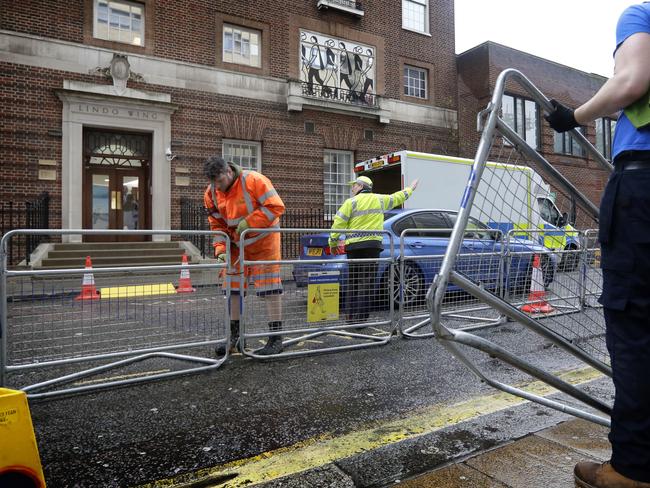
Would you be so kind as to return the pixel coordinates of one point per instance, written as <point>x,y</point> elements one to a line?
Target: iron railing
<point>193,217</point>
<point>341,95</point>
<point>27,215</point>
<point>353,4</point>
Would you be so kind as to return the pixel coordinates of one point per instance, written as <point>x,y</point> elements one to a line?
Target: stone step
<point>99,253</point>
<point>115,245</point>
<point>99,262</point>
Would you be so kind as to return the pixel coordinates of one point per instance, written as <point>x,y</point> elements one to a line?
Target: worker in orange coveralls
<point>236,200</point>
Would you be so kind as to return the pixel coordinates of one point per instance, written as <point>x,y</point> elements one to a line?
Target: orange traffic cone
<point>536,301</point>
<point>184,283</point>
<point>88,290</point>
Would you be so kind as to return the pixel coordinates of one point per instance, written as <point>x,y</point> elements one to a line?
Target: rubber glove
<point>242,226</point>
<point>221,257</point>
<point>561,119</point>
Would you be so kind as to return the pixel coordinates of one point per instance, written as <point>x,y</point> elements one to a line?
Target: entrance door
<point>116,193</point>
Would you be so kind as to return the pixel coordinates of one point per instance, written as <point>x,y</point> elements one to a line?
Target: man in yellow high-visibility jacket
<point>364,211</point>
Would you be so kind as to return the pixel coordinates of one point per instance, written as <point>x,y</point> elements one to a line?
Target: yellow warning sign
<point>323,296</point>
<point>138,291</point>
<point>8,416</point>
<point>19,457</point>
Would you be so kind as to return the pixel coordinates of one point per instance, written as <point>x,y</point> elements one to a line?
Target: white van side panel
<point>441,183</point>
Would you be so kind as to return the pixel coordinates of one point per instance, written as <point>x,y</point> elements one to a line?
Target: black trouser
<point>625,242</point>
<point>362,282</point>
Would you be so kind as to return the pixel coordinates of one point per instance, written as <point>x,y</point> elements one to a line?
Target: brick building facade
<point>478,69</point>
<point>299,89</point>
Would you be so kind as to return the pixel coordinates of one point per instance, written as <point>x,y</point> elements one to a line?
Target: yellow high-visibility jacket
<point>365,211</point>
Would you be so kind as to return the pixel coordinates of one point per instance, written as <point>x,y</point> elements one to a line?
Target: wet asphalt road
<point>131,435</point>
<point>141,433</point>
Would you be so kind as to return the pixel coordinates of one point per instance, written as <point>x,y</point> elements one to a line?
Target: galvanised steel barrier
<point>327,304</point>
<point>562,271</point>
<point>419,260</point>
<point>593,276</point>
<point>513,190</point>
<point>53,320</point>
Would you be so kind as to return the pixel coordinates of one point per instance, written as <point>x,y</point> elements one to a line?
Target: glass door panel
<point>130,202</point>
<point>100,202</point>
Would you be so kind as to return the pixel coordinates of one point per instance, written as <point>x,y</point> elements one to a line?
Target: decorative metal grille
<point>103,148</point>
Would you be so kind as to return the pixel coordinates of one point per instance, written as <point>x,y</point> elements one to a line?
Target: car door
<point>429,243</point>
<point>480,253</point>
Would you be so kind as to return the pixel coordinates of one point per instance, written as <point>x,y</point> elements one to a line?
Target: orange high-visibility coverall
<point>251,197</point>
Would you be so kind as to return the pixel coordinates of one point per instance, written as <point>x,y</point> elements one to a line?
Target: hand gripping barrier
<point>507,188</point>
<point>323,305</point>
<point>136,314</point>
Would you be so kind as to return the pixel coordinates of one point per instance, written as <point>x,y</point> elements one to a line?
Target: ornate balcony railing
<point>341,95</point>
<point>350,6</point>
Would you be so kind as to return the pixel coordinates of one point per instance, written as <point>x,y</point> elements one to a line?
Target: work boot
<point>274,344</point>
<point>596,475</point>
<point>220,349</point>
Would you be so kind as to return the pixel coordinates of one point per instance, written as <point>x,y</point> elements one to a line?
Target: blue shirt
<point>627,137</point>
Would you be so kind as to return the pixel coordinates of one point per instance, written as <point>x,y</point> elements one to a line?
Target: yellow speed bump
<point>138,291</point>
<point>20,464</point>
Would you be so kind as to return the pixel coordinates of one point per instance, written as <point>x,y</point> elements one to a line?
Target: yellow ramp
<point>137,291</point>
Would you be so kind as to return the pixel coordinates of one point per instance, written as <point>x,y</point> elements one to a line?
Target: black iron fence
<point>24,215</point>
<point>300,218</point>
<point>193,217</point>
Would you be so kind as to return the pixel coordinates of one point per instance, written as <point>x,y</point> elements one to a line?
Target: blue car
<point>480,258</point>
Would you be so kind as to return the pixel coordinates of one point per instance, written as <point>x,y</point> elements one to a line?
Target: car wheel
<point>411,284</point>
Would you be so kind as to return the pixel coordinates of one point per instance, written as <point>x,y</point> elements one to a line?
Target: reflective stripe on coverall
<point>251,197</point>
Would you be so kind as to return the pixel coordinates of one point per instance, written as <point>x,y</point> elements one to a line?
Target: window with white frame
<point>523,117</point>
<point>119,21</point>
<point>337,175</point>
<point>246,154</point>
<point>415,15</point>
<point>241,46</point>
<point>604,136</point>
<point>415,82</point>
<point>564,143</point>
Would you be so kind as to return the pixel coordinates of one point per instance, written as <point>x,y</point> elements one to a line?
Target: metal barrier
<point>55,319</point>
<point>327,304</point>
<point>593,276</point>
<point>420,257</point>
<point>504,195</point>
<point>562,271</point>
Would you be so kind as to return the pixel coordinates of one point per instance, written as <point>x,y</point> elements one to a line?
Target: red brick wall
<point>478,70</point>
<point>185,31</point>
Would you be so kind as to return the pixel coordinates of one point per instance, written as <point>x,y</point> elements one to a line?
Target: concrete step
<point>126,252</point>
<point>115,245</point>
<point>107,261</point>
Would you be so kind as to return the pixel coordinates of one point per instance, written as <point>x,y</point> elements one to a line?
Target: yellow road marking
<point>137,290</point>
<point>325,449</point>
<point>120,377</point>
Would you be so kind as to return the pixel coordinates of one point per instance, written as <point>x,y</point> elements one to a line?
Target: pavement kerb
<point>326,449</point>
